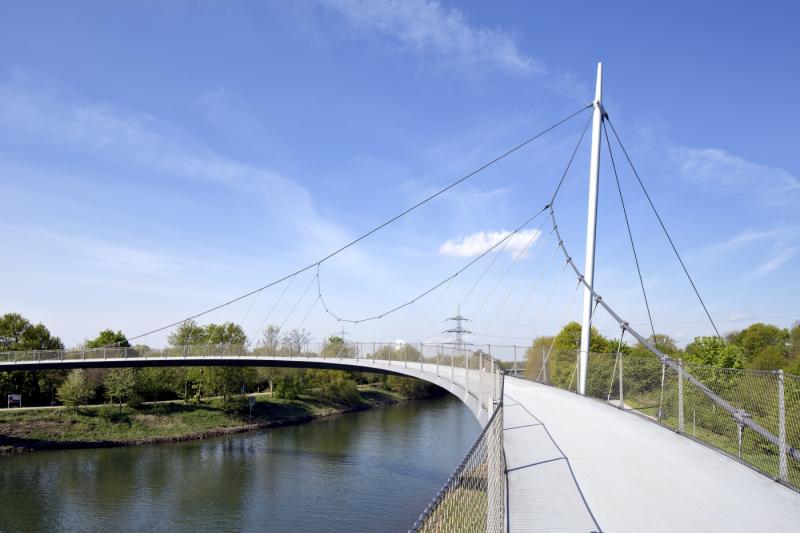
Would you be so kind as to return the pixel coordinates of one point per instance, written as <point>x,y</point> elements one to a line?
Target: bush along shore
<point>133,424</point>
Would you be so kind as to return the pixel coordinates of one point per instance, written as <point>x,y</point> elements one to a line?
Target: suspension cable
<point>368,233</point>
<point>536,232</point>
<point>530,293</point>
<point>297,303</point>
<point>664,228</point>
<point>513,288</point>
<point>630,235</point>
<point>434,287</point>
<point>274,305</point>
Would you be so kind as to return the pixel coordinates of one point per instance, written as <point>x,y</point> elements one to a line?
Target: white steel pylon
<point>591,231</point>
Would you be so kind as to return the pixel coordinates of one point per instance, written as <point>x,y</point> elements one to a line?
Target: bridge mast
<point>591,230</point>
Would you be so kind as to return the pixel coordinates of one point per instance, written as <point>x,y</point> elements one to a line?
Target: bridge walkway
<point>634,475</point>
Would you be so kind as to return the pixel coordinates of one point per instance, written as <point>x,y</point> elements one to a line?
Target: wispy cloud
<point>100,254</point>
<point>143,140</point>
<point>744,239</point>
<point>776,262</point>
<point>428,27</point>
<point>477,243</point>
<point>768,186</point>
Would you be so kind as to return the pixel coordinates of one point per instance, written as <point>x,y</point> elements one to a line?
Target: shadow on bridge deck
<point>635,475</point>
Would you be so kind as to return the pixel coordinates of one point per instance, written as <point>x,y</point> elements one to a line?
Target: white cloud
<point>428,27</point>
<point>477,243</point>
<point>768,186</point>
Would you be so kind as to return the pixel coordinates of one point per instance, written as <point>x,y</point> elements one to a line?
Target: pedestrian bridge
<point>547,459</point>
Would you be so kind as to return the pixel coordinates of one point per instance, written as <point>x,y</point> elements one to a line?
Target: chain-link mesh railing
<point>752,415</point>
<point>474,497</point>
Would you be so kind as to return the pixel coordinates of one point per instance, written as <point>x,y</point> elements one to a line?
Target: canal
<point>371,471</point>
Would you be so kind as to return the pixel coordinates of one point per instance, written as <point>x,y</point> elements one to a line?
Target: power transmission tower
<point>459,330</point>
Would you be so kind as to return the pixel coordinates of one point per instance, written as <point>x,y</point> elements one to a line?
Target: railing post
<point>480,379</point>
<point>466,367</point>
<point>421,352</point>
<point>515,360</point>
<point>405,356</point>
<point>680,396</point>
<point>621,388</point>
<point>488,373</point>
<point>495,368</point>
<point>661,398</point>
<point>373,353</point>
<point>452,367</point>
<point>783,468</point>
<point>437,361</point>
<point>544,366</point>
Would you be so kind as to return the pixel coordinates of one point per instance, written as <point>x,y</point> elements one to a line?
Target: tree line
<point>757,347</point>
<point>152,384</point>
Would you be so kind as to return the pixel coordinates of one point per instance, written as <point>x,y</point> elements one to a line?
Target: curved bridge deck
<point>634,474</point>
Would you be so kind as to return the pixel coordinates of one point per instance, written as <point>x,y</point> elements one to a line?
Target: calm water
<point>369,471</point>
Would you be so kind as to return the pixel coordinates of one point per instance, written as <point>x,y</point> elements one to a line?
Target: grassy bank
<point>96,426</point>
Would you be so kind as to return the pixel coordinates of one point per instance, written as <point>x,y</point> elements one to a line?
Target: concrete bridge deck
<point>634,474</point>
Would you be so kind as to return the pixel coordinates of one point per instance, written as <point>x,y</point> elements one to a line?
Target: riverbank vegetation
<point>130,424</point>
<point>104,406</point>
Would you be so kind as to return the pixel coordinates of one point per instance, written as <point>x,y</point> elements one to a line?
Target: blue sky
<point>158,158</point>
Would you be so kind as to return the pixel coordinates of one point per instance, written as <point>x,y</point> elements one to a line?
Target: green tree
<point>759,336</point>
<point>411,387</point>
<point>289,384</point>
<point>713,351</point>
<point>226,333</point>
<point>664,343</point>
<point>18,334</point>
<point>569,338</point>
<point>536,357</point>
<point>188,334</point>
<point>227,380</point>
<point>121,385</point>
<point>76,390</point>
<point>561,353</point>
<point>154,381</point>
<point>109,338</point>
<point>794,339</point>
<point>769,358</point>
<point>268,375</point>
